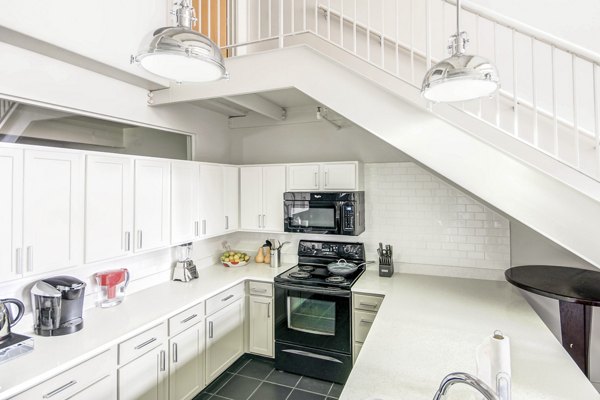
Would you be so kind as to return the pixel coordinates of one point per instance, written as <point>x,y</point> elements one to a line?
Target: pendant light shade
<point>461,76</point>
<point>181,54</point>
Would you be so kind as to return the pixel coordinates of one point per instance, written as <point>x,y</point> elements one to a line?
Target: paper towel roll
<point>493,363</point>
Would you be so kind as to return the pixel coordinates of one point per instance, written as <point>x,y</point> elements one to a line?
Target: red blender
<point>112,286</point>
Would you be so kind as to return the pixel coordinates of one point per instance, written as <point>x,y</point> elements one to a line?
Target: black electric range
<point>313,312</point>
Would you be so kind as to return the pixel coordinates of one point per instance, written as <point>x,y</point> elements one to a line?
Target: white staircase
<point>556,195</point>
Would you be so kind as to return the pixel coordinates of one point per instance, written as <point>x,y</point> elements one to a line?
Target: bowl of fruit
<point>234,259</point>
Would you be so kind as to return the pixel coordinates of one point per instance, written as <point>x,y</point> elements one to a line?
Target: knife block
<point>386,269</point>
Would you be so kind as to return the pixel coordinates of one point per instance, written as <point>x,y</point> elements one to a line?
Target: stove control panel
<point>350,251</point>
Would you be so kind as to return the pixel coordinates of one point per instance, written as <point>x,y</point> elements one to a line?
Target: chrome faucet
<point>463,377</point>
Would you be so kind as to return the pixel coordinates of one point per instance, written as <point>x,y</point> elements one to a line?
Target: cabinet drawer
<point>261,288</point>
<point>73,381</point>
<point>363,321</point>
<point>136,346</point>
<point>184,319</point>
<point>224,298</point>
<point>368,303</point>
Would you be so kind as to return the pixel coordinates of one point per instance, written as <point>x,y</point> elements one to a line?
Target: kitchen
<point>130,171</point>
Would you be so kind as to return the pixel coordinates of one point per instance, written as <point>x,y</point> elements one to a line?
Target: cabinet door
<point>231,193</point>
<point>261,325</point>
<point>185,201</point>
<point>53,210</point>
<point>211,193</point>
<point>105,388</point>
<point>11,213</point>
<point>273,189</point>
<point>225,340</point>
<point>340,176</point>
<point>152,209</point>
<point>108,207</point>
<point>146,377</point>
<point>251,198</point>
<point>187,363</point>
<point>303,177</point>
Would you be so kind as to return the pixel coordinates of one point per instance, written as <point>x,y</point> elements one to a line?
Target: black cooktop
<point>313,258</point>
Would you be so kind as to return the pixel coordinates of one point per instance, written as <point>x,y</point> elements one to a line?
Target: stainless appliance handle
<point>146,343</point>
<point>163,362</point>
<point>210,329</point>
<point>60,389</point>
<point>330,292</point>
<point>227,298</point>
<point>312,355</point>
<point>191,317</point>
<point>174,352</point>
<point>18,261</point>
<point>29,258</point>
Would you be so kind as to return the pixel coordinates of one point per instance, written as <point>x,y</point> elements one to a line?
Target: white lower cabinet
<point>93,379</point>
<point>260,318</point>
<point>186,365</point>
<point>146,377</point>
<point>363,315</point>
<point>225,338</point>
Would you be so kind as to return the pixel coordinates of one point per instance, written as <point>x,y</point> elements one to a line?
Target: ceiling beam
<point>259,105</point>
<point>221,108</point>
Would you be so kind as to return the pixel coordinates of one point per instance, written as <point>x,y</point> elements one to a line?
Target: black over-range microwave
<point>340,213</point>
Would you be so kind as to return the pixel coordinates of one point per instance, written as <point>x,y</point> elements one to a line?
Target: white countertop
<point>430,326</point>
<point>106,327</point>
<point>426,327</point>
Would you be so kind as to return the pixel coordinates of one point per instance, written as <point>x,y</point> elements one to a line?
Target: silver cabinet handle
<point>269,310</point>
<point>174,352</point>
<point>326,179</point>
<point>18,261</point>
<point>60,389</point>
<point>226,222</point>
<point>191,317</point>
<point>140,242</point>
<point>127,241</point>
<point>368,304</point>
<point>163,358</point>
<point>364,321</point>
<point>196,230</point>
<point>204,227</point>
<point>146,343</point>
<point>227,298</point>
<point>210,329</point>
<point>29,258</point>
<point>263,221</point>
<point>316,179</point>
<point>259,290</point>
<point>259,225</point>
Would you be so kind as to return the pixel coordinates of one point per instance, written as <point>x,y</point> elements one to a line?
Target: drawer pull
<point>368,304</point>
<point>227,298</point>
<point>191,317</point>
<point>60,389</point>
<point>364,321</point>
<point>210,330</point>
<point>260,290</point>
<point>146,343</point>
<point>174,352</point>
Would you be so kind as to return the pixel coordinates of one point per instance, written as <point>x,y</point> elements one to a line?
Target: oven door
<point>313,317</point>
<point>312,216</point>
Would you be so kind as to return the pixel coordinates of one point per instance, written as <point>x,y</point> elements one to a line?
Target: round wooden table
<point>577,291</point>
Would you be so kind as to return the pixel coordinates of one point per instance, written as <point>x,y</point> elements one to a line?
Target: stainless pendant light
<point>461,76</point>
<point>181,54</point>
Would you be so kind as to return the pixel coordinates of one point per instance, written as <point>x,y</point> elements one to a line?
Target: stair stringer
<point>549,206</point>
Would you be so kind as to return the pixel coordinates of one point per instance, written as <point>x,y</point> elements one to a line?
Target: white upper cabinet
<point>53,210</point>
<point>212,219</point>
<point>261,198</point>
<point>152,208</point>
<point>251,194</point>
<point>231,192</point>
<point>185,201</point>
<point>108,207</point>
<point>334,176</point>
<point>11,213</point>
<point>303,177</point>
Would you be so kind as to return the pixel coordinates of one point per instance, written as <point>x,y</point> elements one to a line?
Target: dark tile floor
<point>254,378</point>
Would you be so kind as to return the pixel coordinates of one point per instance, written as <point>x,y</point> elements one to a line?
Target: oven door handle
<point>313,355</point>
<point>309,289</point>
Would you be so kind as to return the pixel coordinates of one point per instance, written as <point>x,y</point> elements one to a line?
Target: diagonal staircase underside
<point>548,196</point>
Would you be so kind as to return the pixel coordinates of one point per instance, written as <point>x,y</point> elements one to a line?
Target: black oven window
<point>311,316</point>
<point>313,217</point>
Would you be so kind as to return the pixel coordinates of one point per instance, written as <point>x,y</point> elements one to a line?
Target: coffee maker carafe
<point>57,304</point>
<point>7,320</point>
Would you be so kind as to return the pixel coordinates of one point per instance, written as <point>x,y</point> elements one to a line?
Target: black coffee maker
<point>57,304</point>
